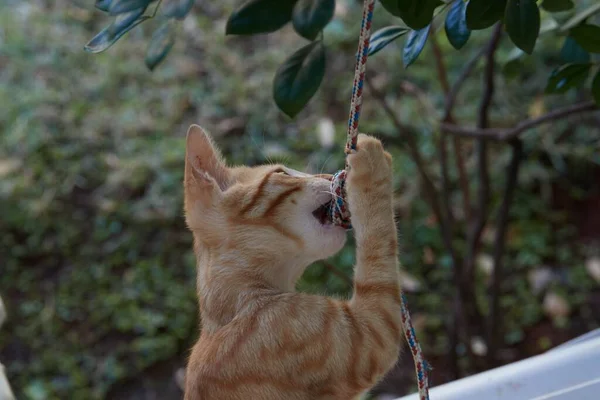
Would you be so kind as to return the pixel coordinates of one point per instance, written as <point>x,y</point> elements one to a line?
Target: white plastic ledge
<point>5,392</point>
<point>568,372</point>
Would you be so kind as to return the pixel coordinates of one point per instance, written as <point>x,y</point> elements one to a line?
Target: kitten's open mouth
<point>322,214</point>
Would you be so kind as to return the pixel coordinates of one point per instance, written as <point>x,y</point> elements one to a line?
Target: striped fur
<point>254,234</point>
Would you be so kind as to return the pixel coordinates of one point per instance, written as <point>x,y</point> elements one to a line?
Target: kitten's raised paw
<point>370,164</point>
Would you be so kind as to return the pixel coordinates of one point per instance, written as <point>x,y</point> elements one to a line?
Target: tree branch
<point>488,77</point>
<point>453,94</point>
<point>512,133</point>
<point>494,322</point>
<point>463,180</point>
<point>442,143</point>
<point>449,119</point>
<point>446,192</point>
<point>439,63</point>
<point>476,228</point>
<point>478,218</point>
<point>415,91</point>
<point>407,139</point>
<point>459,323</point>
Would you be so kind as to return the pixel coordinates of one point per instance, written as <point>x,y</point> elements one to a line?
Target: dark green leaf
<point>587,36</point>
<point>573,53</point>
<point>123,6</point>
<point>456,24</point>
<point>566,77</point>
<point>160,44</point>
<point>122,24</point>
<point>260,16</point>
<point>176,8</point>
<point>557,5</point>
<point>414,44</point>
<point>580,17</point>
<point>417,14</point>
<point>384,36</point>
<point>299,77</point>
<point>596,88</point>
<point>523,23</point>
<point>103,5</point>
<point>482,14</point>
<point>391,6</point>
<point>309,17</point>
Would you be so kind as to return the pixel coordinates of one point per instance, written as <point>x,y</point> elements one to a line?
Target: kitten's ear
<point>204,166</point>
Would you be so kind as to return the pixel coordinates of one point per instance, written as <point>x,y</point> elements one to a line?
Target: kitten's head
<point>268,211</point>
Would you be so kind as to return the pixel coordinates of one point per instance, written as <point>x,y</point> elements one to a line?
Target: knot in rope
<point>338,210</point>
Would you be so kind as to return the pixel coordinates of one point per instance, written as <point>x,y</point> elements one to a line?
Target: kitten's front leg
<point>376,302</point>
<point>370,201</point>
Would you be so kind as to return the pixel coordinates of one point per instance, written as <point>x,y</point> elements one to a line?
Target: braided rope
<point>339,213</point>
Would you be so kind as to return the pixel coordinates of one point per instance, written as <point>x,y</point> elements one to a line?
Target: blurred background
<point>96,265</point>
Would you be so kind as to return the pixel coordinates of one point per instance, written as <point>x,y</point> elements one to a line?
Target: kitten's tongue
<point>322,214</point>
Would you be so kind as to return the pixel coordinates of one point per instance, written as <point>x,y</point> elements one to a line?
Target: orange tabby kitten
<point>255,231</point>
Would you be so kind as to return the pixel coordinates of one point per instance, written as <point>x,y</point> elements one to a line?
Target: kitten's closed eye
<point>291,172</point>
<point>281,171</point>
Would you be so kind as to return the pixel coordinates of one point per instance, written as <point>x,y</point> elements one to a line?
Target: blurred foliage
<point>96,263</point>
<point>521,19</point>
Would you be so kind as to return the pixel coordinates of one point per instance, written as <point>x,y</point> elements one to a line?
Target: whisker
<point>325,163</point>
<point>256,146</point>
<point>306,168</point>
<point>330,192</point>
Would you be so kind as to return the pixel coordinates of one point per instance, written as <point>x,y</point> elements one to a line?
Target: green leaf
<point>417,14</point>
<point>391,6</point>
<point>580,17</point>
<point>122,24</point>
<point>123,6</point>
<point>260,16</point>
<point>596,88</point>
<point>567,77</point>
<point>298,78</point>
<point>103,5</point>
<point>414,45</point>
<point>587,36</point>
<point>572,52</point>
<point>177,9</point>
<point>160,44</point>
<point>482,14</point>
<point>309,17</point>
<point>456,24</point>
<point>385,36</point>
<point>523,23</point>
<point>557,5</point>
